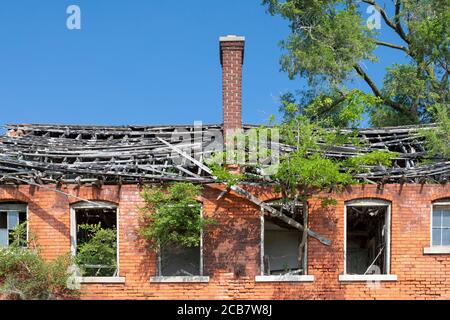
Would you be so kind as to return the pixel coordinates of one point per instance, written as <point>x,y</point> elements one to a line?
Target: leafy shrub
<point>99,250</point>
<point>25,275</point>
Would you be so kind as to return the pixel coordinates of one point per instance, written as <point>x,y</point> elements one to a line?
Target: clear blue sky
<point>136,62</point>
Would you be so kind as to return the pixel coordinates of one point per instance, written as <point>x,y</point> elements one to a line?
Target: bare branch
<point>369,81</point>
<point>391,45</point>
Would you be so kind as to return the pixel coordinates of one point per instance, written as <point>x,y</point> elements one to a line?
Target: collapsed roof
<point>145,154</point>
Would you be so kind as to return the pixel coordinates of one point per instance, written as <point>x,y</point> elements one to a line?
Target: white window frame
<point>17,206</point>
<point>369,202</point>
<point>280,278</point>
<point>73,238</point>
<point>180,279</point>
<point>433,249</point>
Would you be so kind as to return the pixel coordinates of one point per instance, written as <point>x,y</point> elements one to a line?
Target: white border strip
<point>437,250</point>
<point>285,278</point>
<point>120,280</point>
<point>367,277</point>
<point>180,279</point>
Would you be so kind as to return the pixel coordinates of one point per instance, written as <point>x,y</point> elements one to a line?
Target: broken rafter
<point>247,195</point>
<point>277,214</point>
<point>135,154</point>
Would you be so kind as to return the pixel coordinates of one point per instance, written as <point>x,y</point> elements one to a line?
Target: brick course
<point>232,252</point>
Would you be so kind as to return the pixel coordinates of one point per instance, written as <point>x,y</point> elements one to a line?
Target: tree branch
<point>382,12</point>
<point>398,25</point>
<point>277,214</point>
<point>377,91</point>
<point>369,81</point>
<point>335,103</point>
<point>391,45</point>
<point>386,19</point>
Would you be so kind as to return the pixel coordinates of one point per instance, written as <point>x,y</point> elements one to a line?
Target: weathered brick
<point>231,249</point>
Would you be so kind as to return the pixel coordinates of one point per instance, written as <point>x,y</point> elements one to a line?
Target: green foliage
<point>330,43</point>
<point>249,149</point>
<point>99,250</point>
<point>326,202</point>
<point>224,175</point>
<point>326,43</point>
<point>307,170</point>
<point>360,163</point>
<point>384,116</point>
<point>25,275</point>
<point>297,171</point>
<point>173,215</point>
<point>19,236</point>
<point>217,163</point>
<point>332,109</point>
<point>438,140</point>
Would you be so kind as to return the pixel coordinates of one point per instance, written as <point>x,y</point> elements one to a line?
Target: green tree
<point>307,167</point>
<point>331,40</point>
<point>172,215</point>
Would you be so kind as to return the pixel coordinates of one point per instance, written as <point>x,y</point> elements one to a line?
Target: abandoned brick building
<point>388,238</point>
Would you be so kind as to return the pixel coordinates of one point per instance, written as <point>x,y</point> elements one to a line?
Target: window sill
<point>180,279</point>
<point>120,280</point>
<point>367,277</point>
<point>285,278</point>
<point>437,250</point>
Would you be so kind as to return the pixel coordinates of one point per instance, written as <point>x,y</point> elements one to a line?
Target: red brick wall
<point>232,58</point>
<point>231,249</point>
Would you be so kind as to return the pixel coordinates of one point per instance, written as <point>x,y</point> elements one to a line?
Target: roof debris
<point>99,155</point>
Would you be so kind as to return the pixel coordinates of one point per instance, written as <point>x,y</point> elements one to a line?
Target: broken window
<point>177,260</point>
<point>11,215</point>
<point>94,238</point>
<point>367,237</point>
<point>441,224</point>
<point>281,251</point>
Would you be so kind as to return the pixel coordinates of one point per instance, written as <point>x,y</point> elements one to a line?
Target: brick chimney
<point>232,59</point>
